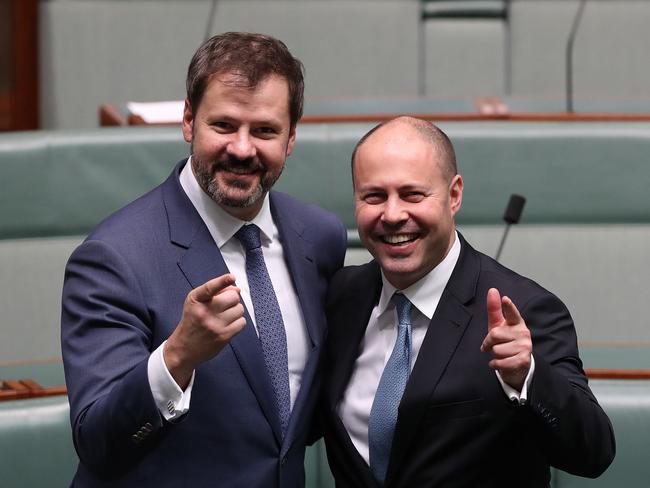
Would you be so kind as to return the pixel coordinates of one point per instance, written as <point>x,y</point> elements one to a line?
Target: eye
<point>222,126</point>
<point>373,198</point>
<point>413,196</point>
<point>265,132</point>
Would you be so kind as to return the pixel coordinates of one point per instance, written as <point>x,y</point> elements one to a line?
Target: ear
<point>292,140</point>
<point>188,121</point>
<point>456,194</point>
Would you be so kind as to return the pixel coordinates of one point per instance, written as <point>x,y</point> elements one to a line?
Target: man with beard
<point>192,318</point>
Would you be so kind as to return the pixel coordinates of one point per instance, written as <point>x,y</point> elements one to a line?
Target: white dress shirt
<point>379,340</point>
<point>170,399</point>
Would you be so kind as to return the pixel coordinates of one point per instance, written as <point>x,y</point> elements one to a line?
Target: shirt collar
<point>425,293</point>
<point>221,224</point>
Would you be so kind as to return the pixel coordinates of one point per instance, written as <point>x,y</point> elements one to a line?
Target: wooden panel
<point>19,58</point>
<point>486,109</point>
<point>27,388</point>
<point>618,374</point>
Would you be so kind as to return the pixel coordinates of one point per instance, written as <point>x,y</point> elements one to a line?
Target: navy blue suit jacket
<point>123,296</point>
<point>456,428</point>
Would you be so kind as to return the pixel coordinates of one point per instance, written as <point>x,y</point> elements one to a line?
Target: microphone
<point>209,26</point>
<point>569,56</point>
<point>511,216</point>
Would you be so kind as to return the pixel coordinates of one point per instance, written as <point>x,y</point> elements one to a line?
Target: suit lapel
<point>299,258</point>
<point>201,262</point>
<point>351,319</point>
<point>349,322</point>
<point>447,327</point>
<point>298,255</point>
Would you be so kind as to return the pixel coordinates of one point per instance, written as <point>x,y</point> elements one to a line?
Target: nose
<point>241,146</point>
<point>393,212</point>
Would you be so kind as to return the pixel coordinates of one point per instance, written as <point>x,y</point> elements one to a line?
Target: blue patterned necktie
<point>383,414</point>
<point>268,318</point>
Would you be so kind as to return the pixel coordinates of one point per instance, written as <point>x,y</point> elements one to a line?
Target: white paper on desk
<point>158,112</point>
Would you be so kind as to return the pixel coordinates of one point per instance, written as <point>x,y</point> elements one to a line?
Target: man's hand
<point>212,315</point>
<point>508,340</point>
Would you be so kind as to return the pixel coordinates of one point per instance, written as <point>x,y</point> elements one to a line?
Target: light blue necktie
<point>383,414</point>
<point>268,318</point>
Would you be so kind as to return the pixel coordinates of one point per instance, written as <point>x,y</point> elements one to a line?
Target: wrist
<point>178,366</point>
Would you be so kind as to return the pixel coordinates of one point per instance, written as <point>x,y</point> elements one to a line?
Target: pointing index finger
<point>209,289</point>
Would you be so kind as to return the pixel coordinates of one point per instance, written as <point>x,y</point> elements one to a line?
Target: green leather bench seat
<point>36,443</point>
<point>628,357</point>
<point>63,183</point>
<point>584,233</point>
<point>627,404</point>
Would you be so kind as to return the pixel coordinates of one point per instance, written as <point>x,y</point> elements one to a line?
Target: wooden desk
<point>34,379</point>
<point>366,111</point>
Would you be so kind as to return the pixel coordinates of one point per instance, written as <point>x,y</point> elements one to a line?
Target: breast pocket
<point>465,409</point>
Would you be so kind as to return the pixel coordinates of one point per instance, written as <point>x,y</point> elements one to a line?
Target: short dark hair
<point>252,57</point>
<point>430,133</point>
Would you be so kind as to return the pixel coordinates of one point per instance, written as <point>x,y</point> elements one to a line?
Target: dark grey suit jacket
<point>456,427</point>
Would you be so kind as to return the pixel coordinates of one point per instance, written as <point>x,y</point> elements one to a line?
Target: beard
<point>233,193</point>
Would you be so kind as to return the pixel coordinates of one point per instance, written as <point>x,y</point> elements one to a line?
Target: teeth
<point>398,239</point>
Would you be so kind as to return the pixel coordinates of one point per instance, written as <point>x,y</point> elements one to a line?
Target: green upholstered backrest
<point>586,185</point>
<point>36,443</point>
<point>587,199</point>
<point>36,446</point>
<point>62,183</point>
<point>627,403</point>
<point>574,173</point>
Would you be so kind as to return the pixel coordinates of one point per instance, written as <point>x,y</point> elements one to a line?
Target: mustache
<point>248,164</point>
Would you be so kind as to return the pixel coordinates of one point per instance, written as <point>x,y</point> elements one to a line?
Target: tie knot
<point>249,236</point>
<point>403,306</point>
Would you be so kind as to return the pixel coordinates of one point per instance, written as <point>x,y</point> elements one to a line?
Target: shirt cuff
<point>172,402</point>
<point>519,396</point>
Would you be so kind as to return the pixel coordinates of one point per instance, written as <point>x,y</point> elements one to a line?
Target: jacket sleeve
<point>576,434</point>
<point>106,342</point>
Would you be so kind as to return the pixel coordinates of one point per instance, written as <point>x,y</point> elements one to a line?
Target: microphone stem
<point>503,240</point>
<point>569,56</point>
<point>209,26</point>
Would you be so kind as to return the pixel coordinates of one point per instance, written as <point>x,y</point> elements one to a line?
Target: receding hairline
<point>428,132</point>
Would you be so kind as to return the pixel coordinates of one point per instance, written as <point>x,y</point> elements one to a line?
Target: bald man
<point>444,368</point>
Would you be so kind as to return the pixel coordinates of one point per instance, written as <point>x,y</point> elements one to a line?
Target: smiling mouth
<point>398,240</point>
<point>240,170</point>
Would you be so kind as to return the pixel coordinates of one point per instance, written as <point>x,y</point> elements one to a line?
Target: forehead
<point>396,154</point>
<point>271,92</point>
